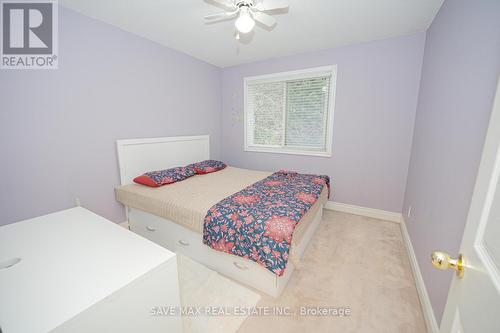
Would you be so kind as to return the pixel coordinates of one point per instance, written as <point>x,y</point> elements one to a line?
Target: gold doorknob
<point>442,260</point>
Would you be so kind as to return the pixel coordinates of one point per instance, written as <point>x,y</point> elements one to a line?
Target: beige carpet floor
<point>353,262</point>
<point>201,287</point>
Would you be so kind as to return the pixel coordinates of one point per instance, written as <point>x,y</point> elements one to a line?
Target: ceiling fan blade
<point>265,19</point>
<point>271,5</point>
<point>229,4</point>
<point>221,16</point>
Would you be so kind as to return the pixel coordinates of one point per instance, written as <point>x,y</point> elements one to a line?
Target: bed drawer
<point>184,241</point>
<point>166,233</point>
<point>245,271</point>
<point>152,229</point>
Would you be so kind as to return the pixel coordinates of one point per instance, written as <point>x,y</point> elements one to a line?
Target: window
<point>290,113</point>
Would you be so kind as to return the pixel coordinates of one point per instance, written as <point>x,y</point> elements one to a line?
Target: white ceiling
<point>309,25</point>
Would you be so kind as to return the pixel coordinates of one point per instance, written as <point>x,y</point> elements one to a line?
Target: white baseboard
<point>364,211</point>
<point>430,319</point>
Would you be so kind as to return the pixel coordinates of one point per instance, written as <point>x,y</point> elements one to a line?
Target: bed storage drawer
<point>182,240</point>
<point>152,229</point>
<point>167,233</point>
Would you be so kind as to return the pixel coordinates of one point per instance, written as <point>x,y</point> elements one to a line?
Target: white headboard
<point>137,156</point>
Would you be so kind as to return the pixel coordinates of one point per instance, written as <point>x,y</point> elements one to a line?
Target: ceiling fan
<point>248,11</point>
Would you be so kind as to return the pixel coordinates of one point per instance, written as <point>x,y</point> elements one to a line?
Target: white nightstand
<point>82,273</point>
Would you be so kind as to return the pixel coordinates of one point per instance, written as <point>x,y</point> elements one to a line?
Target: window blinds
<point>266,107</point>
<point>307,111</point>
<point>288,112</point>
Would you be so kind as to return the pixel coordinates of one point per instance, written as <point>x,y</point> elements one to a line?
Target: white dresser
<point>79,272</point>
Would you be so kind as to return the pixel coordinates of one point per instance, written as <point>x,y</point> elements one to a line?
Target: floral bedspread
<point>257,223</point>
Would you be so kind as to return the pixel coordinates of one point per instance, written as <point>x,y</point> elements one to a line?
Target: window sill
<point>288,152</point>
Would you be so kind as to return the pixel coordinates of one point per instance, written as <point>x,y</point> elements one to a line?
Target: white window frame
<point>305,73</point>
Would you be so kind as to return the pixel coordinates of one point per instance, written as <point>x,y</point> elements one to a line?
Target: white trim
<point>297,74</point>
<point>425,302</point>
<point>364,211</point>
<point>479,243</point>
<point>303,73</point>
<point>280,150</point>
<point>127,142</point>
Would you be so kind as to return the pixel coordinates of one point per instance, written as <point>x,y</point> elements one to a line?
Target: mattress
<point>187,202</point>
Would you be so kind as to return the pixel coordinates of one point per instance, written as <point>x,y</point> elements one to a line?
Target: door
<point>474,301</point>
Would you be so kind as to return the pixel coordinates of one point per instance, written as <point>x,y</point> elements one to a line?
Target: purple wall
<point>58,127</point>
<point>460,72</point>
<point>377,90</point>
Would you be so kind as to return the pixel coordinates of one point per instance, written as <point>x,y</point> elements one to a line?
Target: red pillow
<point>164,177</point>
<point>145,180</point>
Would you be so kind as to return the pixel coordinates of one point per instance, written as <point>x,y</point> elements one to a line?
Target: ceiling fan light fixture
<point>245,23</point>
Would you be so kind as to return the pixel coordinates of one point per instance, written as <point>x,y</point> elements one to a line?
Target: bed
<point>173,215</point>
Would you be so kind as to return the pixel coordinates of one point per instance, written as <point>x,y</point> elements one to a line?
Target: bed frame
<point>141,155</point>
